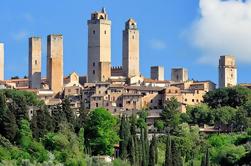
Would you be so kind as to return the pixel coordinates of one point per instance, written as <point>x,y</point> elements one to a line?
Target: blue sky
<point>172,33</point>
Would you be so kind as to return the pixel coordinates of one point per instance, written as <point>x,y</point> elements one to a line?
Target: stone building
<point>99,47</point>
<point>131,49</point>
<point>35,62</point>
<point>1,61</point>
<point>179,75</point>
<point>157,73</point>
<point>227,71</point>
<point>55,63</point>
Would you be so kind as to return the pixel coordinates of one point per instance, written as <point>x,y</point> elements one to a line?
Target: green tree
<point>66,107</point>
<point>7,120</point>
<point>101,132</point>
<point>153,152</point>
<point>233,97</point>
<point>168,153</point>
<point>124,134</point>
<point>171,115</point>
<point>225,117</point>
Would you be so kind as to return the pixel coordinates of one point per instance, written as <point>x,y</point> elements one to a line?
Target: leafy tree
<point>199,114</point>
<point>233,97</point>
<point>101,132</point>
<point>225,117</point>
<point>159,124</point>
<point>171,115</point>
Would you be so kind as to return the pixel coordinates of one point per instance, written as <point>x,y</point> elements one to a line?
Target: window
<point>93,32</point>
<point>132,36</point>
<point>93,64</point>
<point>96,104</point>
<point>69,90</point>
<point>105,32</point>
<point>185,99</point>
<point>192,100</point>
<point>128,102</point>
<point>35,62</point>
<point>93,72</point>
<point>151,101</point>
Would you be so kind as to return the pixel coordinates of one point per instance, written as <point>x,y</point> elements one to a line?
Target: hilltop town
<point>118,89</point>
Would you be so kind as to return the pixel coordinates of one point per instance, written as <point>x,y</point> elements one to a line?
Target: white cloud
<point>224,27</point>
<point>158,44</point>
<point>19,35</point>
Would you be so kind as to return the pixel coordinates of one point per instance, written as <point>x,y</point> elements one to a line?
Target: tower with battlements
<point>227,71</point>
<point>99,47</point>
<point>55,63</point>
<point>35,62</point>
<point>131,49</point>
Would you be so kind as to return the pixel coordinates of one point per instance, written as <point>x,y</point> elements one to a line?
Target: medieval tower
<point>179,74</point>
<point>34,62</point>
<point>99,47</point>
<point>131,49</point>
<point>227,71</point>
<point>157,73</point>
<point>1,61</point>
<point>55,63</point>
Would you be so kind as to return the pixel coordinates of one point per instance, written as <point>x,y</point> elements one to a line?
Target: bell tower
<point>131,49</point>
<point>99,47</point>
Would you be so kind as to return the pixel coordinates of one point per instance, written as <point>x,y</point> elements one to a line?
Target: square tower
<point>99,47</point>
<point>35,62</point>
<point>157,73</point>
<point>131,49</point>
<point>227,71</point>
<point>55,63</point>
<point>179,74</point>
<point>1,61</point>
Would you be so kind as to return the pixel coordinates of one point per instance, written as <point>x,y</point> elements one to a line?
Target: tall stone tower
<point>34,62</point>
<point>1,61</point>
<point>179,74</point>
<point>157,73</point>
<point>227,71</point>
<point>55,63</point>
<point>99,47</point>
<point>131,49</point>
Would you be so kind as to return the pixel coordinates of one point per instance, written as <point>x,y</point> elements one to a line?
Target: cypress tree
<point>133,145</point>
<point>66,107</point>
<point>152,152</point>
<point>205,159</point>
<point>8,124</point>
<point>124,134</point>
<point>168,154</point>
<point>176,155</point>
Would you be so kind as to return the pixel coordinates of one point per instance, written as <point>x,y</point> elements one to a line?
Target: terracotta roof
<point>156,81</point>
<point>144,88</point>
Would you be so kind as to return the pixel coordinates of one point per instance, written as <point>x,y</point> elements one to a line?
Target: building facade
<point>227,71</point>
<point>99,47</point>
<point>1,61</point>
<point>35,51</point>
<point>131,49</point>
<point>55,63</point>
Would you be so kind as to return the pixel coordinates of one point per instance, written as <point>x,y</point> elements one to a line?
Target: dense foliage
<point>55,135</point>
